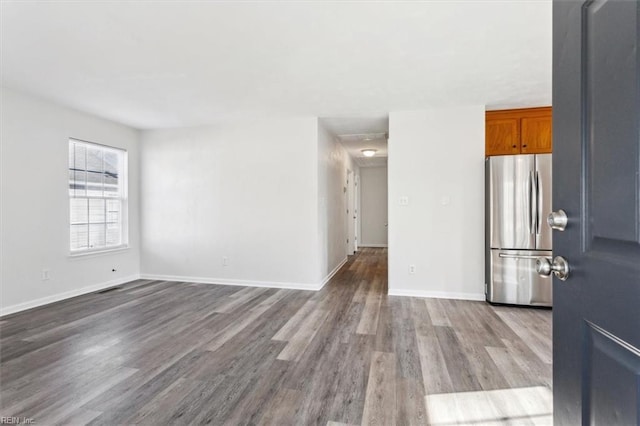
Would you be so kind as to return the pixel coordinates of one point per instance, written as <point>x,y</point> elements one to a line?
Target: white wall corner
<point>332,273</point>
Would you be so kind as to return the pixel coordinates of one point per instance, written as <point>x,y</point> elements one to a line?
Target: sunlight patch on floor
<point>529,405</point>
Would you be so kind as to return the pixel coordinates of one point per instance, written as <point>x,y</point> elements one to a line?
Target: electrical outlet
<point>412,269</point>
<point>225,261</point>
<point>45,275</point>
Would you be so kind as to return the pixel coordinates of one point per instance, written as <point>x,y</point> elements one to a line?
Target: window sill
<point>92,253</point>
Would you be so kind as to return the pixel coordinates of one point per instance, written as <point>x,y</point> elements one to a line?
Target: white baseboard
<point>437,294</point>
<point>373,245</point>
<point>332,273</point>
<point>229,281</point>
<point>66,295</point>
<point>246,283</point>
<point>221,281</point>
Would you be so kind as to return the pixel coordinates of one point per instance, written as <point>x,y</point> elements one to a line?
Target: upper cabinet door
<point>536,133</point>
<point>502,136</point>
<point>518,131</point>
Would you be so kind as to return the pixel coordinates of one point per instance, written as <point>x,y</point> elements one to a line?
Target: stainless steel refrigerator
<point>518,200</point>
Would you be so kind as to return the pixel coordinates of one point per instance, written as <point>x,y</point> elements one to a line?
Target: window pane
<point>113,211</point>
<point>94,184</point>
<point>80,157</point>
<point>95,171</point>
<point>96,211</point>
<point>111,188</point>
<point>80,183</point>
<point>79,237</point>
<point>111,162</point>
<point>77,166</point>
<point>94,159</point>
<point>113,234</point>
<point>79,210</point>
<point>96,236</point>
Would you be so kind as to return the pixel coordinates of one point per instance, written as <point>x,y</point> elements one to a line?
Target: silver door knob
<point>558,220</point>
<point>559,266</point>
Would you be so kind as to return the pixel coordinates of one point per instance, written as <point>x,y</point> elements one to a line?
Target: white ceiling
<point>355,125</point>
<point>182,63</point>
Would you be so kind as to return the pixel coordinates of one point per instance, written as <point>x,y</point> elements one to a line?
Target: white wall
<point>35,204</point>
<point>267,194</point>
<point>373,206</point>
<point>436,159</point>
<point>333,164</point>
<point>246,190</point>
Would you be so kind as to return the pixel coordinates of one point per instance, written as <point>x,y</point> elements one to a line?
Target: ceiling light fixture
<point>369,152</point>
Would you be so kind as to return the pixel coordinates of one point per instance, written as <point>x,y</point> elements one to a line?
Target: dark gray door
<point>596,165</point>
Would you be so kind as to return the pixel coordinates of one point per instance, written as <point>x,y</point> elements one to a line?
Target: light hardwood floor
<point>183,353</point>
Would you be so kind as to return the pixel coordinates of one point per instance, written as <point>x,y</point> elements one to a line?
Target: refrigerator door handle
<point>532,206</point>
<point>538,203</point>
<point>529,206</point>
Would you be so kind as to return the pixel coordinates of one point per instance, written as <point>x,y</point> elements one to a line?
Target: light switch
<point>404,200</point>
<point>445,200</point>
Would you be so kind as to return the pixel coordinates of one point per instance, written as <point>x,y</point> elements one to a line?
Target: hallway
<point>165,352</point>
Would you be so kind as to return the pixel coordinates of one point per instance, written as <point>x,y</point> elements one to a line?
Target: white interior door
<point>356,210</point>
<point>351,213</point>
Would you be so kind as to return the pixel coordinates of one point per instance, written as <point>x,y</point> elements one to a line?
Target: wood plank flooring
<point>183,353</point>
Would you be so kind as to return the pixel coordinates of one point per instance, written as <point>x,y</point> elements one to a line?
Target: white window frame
<point>123,172</point>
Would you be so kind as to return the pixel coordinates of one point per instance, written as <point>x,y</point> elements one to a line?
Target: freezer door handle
<point>518,256</point>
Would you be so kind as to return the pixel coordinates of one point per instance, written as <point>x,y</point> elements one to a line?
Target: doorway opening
<point>363,147</point>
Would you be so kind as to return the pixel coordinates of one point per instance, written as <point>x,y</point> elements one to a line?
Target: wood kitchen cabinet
<point>518,131</point>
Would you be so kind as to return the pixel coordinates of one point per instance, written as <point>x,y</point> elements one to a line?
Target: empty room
<point>320,213</point>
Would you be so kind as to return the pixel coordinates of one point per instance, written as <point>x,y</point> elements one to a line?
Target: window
<point>97,197</point>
